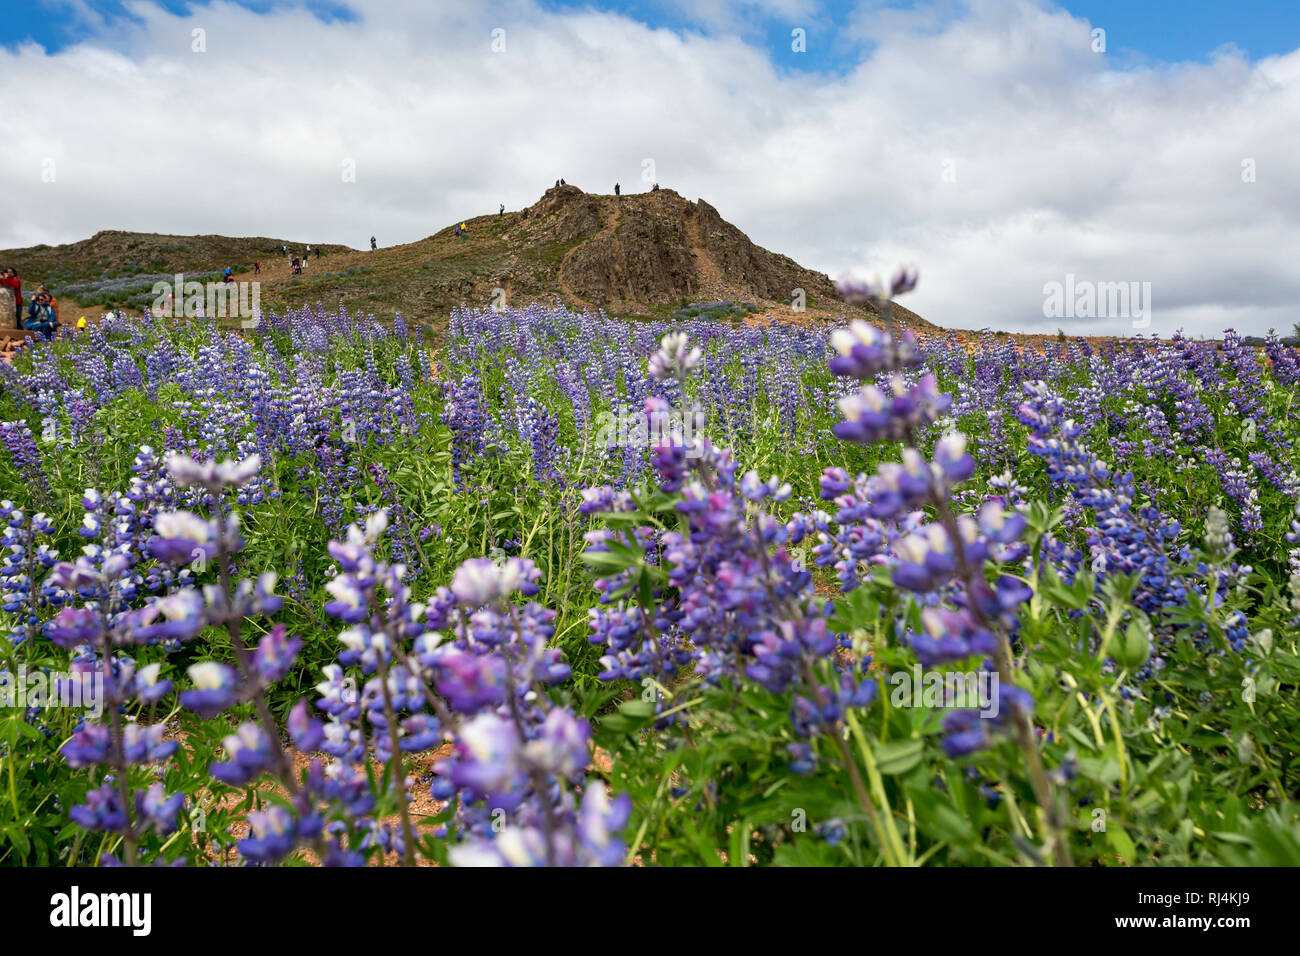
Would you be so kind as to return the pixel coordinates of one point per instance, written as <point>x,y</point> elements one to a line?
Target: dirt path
<point>708,276</point>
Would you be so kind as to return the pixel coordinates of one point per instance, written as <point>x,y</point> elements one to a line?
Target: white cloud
<point>1063,162</point>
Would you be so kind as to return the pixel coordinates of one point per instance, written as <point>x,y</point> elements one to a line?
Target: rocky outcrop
<point>656,248</point>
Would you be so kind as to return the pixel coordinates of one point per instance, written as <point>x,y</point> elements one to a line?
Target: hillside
<point>113,253</point>
<point>644,254</point>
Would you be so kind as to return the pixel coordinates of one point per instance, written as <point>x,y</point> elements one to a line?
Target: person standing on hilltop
<point>502,211</point>
<point>562,182</point>
<point>616,189</point>
<point>286,251</point>
<point>373,246</point>
<point>11,280</point>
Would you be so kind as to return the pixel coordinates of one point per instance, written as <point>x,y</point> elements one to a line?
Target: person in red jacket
<point>10,278</point>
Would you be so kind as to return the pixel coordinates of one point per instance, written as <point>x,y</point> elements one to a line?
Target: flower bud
<point>1134,647</point>
<point>1218,536</point>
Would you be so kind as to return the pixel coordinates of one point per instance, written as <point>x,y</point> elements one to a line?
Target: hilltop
<point>647,254</point>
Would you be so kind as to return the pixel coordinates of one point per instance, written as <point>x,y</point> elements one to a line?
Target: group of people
<point>298,263</point>
<point>618,189</point>
<point>42,313</point>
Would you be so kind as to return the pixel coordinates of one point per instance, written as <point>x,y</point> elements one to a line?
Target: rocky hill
<point>647,253</point>
<point>113,253</point>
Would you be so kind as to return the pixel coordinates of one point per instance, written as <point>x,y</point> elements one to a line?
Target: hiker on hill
<point>373,247</point>
<point>257,268</point>
<point>616,189</point>
<point>11,280</point>
<point>557,184</point>
<point>562,182</point>
<point>286,251</point>
<point>502,211</point>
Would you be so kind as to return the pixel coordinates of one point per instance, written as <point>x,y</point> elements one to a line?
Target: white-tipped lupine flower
<point>674,360</point>
<point>482,581</point>
<point>376,525</point>
<point>187,472</point>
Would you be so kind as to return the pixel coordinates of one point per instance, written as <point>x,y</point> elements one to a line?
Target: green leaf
<point>898,757</point>
<point>1119,839</point>
<point>637,709</point>
<point>19,837</point>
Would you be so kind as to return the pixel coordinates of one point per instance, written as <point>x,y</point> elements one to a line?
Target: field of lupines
<point>705,593</point>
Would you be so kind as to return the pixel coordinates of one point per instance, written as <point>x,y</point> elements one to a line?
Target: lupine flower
<point>188,473</point>
<point>674,360</point>
<point>102,810</point>
<point>214,688</point>
<point>481,581</point>
<point>181,537</point>
<point>248,754</point>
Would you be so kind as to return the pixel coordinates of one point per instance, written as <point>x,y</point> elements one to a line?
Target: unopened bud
<point>1218,535</point>
<point>1134,646</point>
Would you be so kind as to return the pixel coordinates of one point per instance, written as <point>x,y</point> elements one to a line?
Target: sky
<point>1008,149</point>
